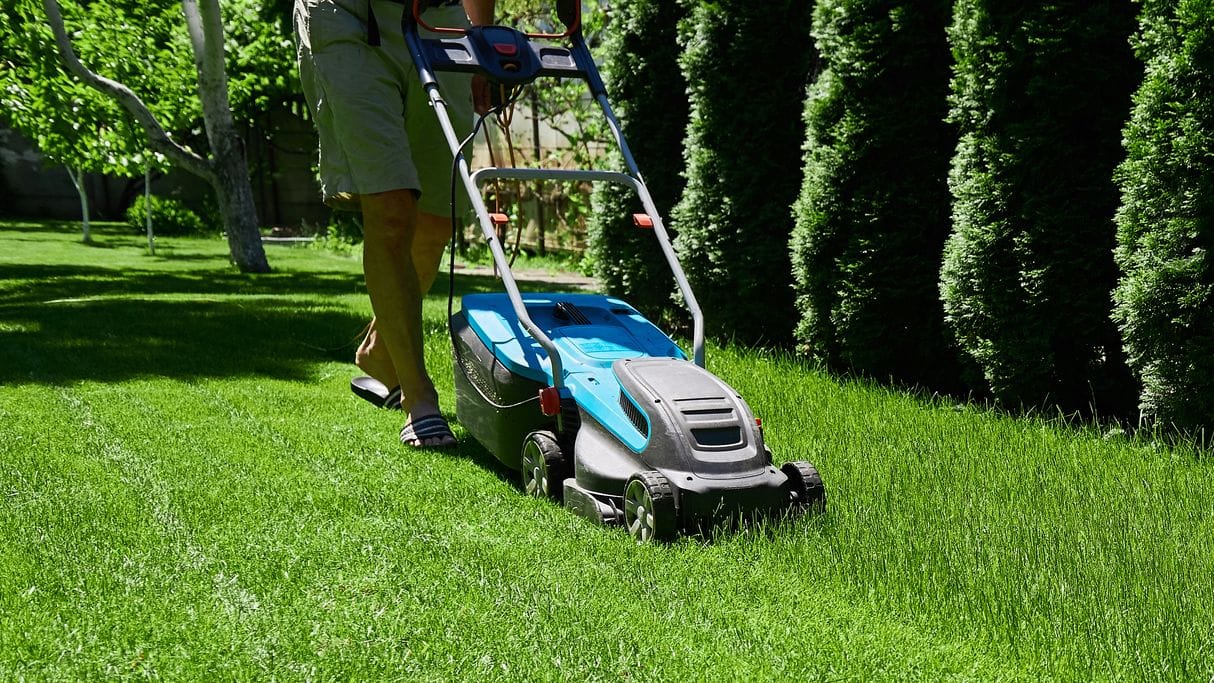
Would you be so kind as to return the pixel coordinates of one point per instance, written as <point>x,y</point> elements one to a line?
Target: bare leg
<point>390,230</point>
<point>428,244</point>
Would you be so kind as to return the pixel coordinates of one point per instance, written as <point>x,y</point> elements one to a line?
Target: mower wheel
<point>809,493</point>
<point>649,510</point>
<point>543,466</point>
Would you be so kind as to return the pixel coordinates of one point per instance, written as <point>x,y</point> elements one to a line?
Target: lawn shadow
<point>61,324</point>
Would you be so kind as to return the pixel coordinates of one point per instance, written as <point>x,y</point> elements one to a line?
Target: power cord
<point>508,99</point>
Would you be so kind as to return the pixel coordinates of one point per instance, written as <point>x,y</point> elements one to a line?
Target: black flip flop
<point>374,392</point>
<point>426,428</point>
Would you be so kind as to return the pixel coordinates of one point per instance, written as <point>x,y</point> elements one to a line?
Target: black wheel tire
<point>808,491</point>
<point>543,466</point>
<point>649,509</point>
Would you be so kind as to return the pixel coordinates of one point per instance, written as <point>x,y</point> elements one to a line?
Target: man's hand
<point>480,13</point>
<point>482,94</point>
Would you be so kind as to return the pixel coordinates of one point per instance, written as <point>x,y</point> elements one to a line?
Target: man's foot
<point>431,431</point>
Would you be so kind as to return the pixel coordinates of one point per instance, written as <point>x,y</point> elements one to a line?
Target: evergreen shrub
<point>1165,299</point>
<point>649,95</point>
<point>1040,93</point>
<point>873,213</point>
<point>747,66</point>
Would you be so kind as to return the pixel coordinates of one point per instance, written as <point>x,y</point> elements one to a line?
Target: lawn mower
<point>594,404</point>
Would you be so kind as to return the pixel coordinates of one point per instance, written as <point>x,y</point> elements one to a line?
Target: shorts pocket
<point>330,25</point>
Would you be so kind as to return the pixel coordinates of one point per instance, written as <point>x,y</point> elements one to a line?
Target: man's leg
<point>390,230</point>
<point>429,241</point>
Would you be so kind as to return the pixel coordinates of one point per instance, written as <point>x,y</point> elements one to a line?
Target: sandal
<point>417,432</point>
<point>375,392</point>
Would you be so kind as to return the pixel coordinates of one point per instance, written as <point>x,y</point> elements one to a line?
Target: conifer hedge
<point>1040,94</point>
<point>1165,299</point>
<point>747,64</point>
<point>873,213</point>
<point>649,94</point>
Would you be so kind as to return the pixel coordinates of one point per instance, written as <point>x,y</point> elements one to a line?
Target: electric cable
<point>507,101</point>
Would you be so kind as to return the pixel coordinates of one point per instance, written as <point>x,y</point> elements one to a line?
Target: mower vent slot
<point>634,415</point>
<point>567,311</point>
<point>716,437</point>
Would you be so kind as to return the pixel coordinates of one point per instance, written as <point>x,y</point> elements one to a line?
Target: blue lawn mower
<point>592,402</point>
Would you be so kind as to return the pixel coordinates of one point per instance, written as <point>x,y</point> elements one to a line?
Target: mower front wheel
<point>543,466</point>
<point>808,491</point>
<point>649,510</point>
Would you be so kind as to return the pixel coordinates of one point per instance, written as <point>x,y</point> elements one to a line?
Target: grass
<point>189,491</point>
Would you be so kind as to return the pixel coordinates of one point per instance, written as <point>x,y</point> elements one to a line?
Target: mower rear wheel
<point>543,466</point>
<point>809,493</point>
<point>649,510</point>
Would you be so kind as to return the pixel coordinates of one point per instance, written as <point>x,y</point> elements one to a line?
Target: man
<point>382,152</point>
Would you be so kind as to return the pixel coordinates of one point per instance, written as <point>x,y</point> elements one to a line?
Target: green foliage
<point>1165,299</point>
<point>71,123</point>
<point>873,213</point>
<point>1040,94</point>
<point>343,234</point>
<point>649,95</point>
<point>145,46</point>
<point>747,64</point>
<point>170,217</point>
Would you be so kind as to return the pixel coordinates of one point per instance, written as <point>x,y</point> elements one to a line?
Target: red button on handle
<point>506,49</point>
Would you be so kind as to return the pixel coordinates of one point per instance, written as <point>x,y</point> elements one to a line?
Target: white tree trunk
<point>147,210</point>
<point>78,180</point>
<point>232,187</point>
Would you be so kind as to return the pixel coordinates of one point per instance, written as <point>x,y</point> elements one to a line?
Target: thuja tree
<point>1165,299</point>
<point>1040,94</point>
<point>746,65</point>
<point>873,213</point>
<point>648,93</point>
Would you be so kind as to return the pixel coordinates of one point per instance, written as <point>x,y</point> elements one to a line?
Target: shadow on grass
<point>60,324</point>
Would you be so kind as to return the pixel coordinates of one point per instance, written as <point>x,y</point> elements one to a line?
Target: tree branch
<point>158,138</point>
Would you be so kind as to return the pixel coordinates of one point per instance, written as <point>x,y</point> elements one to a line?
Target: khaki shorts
<point>377,130</point>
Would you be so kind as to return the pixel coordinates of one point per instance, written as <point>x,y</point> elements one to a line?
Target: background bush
<point>649,94</point>
<point>1040,94</point>
<point>747,65</point>
<point>1165,299</point>
<point>170,218</point>
<point>873,213</point>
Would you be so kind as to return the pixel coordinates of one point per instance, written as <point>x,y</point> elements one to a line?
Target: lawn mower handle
<point>467,54</point>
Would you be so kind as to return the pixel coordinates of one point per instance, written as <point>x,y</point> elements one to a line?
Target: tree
<point>873,213</point>
<point>35,95</point>
<point>1040,93</point>
<point>649,94</point>
<point>746,64</point>
<point>1165,298</point>
<point>225,169</point>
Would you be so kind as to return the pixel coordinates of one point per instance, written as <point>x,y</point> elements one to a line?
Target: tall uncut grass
<point>189,491</point>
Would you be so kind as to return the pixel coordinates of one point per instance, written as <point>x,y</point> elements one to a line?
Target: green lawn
<point>189,491</point>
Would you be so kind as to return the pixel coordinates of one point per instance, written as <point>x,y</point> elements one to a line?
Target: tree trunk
<point>147,210</point>
<point>78,180</point>
<point>228,162</point>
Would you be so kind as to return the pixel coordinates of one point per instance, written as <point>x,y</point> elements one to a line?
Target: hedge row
<point>997,274</point>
